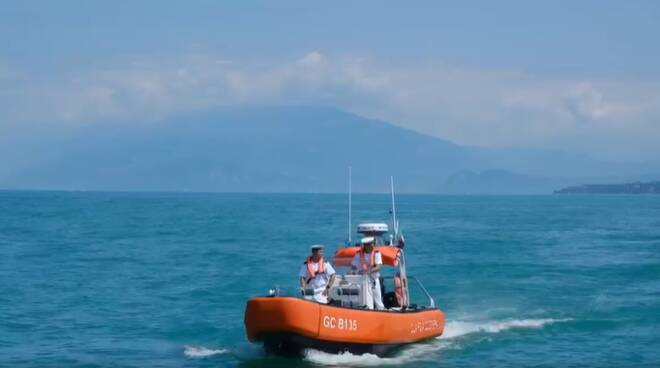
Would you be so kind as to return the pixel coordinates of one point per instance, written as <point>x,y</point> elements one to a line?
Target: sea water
<point>160,280</point>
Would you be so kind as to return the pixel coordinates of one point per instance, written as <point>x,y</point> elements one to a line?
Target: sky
<point>577,76</point>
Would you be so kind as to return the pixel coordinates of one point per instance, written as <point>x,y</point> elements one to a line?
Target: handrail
<point>431,301</point>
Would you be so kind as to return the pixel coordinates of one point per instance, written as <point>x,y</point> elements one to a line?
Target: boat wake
<point>453,332</point>
<point>201,352</point>
<point>460,328</point>
<point>341,359</point>
<point>417,352</point>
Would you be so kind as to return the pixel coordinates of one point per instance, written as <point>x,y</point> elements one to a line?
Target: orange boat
<point>290,324</point>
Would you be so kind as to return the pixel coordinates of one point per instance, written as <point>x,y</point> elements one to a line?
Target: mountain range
<point>288,149</point>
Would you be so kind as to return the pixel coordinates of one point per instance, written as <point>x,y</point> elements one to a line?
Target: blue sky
<point>581,76</point>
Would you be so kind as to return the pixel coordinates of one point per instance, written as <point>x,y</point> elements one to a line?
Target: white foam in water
<point>410,354</point>
<point>201,352</point>
<point>364,360</point>
<point>458,328</point>
<point>422,350</point>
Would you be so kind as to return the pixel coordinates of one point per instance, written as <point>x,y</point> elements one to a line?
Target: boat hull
<point>289,325</point>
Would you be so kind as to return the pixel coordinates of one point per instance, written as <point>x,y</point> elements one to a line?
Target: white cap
<point>316,246</point>
<point>367,240</point>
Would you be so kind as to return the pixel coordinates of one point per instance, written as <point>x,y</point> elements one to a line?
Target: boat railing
<point>390,288</point>
<point>430,298</point>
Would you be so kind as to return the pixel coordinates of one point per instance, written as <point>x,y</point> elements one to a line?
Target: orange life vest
<point>363,264</point>
<point>310,268</point>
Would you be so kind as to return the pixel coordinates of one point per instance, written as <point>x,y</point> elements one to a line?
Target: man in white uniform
<point>317,274</point>
<point>368,261</point>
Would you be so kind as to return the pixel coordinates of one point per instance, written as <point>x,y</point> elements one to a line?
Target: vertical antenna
<point>349,206</point>
<point>394,223</point>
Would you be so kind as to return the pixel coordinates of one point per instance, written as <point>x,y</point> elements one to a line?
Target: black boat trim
<point>291,344</point>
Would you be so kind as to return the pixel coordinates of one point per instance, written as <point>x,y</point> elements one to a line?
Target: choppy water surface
<point>119,279</point>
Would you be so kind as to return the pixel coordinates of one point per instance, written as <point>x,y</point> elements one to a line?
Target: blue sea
<point>90,279</point>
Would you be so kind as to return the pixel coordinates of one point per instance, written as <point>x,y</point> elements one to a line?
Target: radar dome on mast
<point>371,229</point>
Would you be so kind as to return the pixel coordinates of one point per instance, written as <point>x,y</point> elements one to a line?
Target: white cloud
<point>469,106</point>
<point>312,59</point>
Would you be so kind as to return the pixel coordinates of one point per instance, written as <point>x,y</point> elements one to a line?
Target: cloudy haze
<point>582,78</point>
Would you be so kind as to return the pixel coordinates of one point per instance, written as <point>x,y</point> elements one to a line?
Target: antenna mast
<point>349,206</point>
<point>394,223</point>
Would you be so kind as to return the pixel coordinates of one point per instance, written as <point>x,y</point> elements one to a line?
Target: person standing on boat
<point>317,274</point>
<point>368,261</point>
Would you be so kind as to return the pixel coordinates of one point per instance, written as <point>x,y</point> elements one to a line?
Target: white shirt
<point>378,259</point>
<point>319,281</point>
